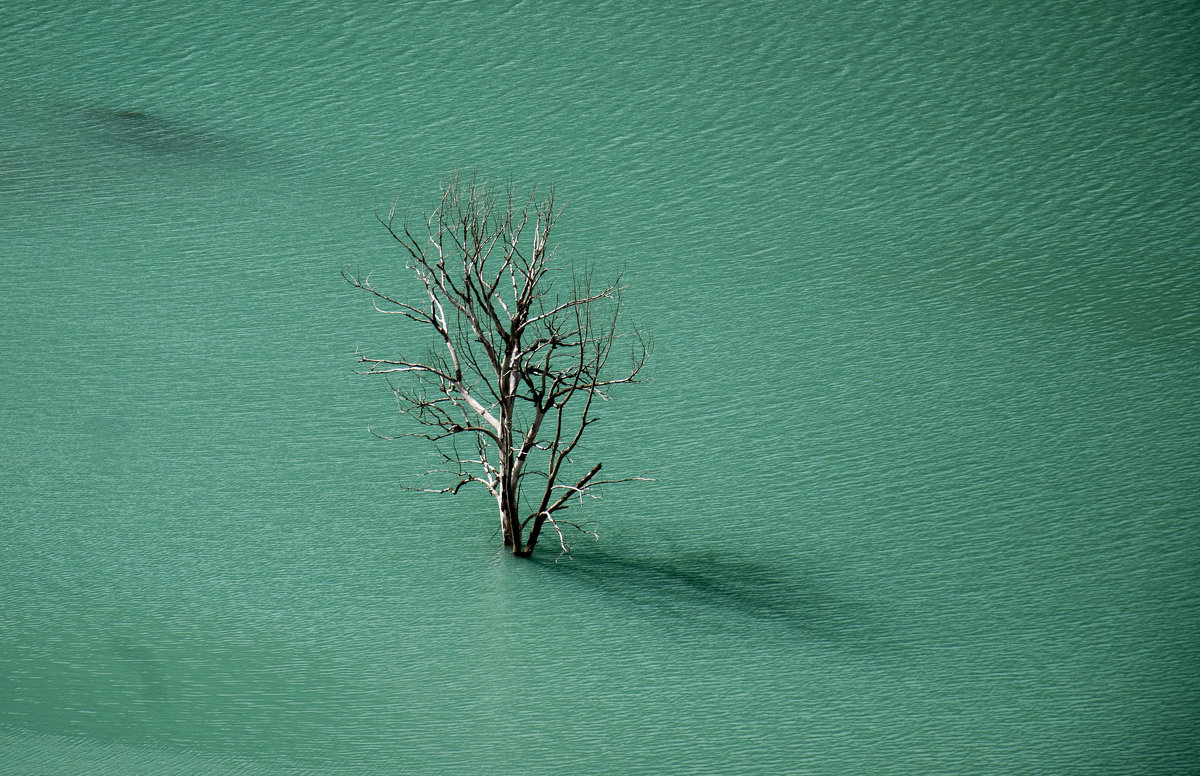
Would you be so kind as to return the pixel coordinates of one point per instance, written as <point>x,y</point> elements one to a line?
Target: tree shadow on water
<point>152,134</point>
<point>721,589</point>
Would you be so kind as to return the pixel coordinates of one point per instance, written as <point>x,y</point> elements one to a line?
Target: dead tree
<point>520,351</point>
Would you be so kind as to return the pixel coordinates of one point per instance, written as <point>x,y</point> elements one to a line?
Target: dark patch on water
<point>708,584</point>
<point>153,134</point>
<point>50,149</point>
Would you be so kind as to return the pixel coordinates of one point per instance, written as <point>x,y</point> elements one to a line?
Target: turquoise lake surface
<point>923,283</point>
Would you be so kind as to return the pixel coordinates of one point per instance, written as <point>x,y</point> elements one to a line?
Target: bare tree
<point>520,350</point>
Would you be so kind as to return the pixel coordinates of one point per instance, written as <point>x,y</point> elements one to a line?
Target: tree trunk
<point>510,521</point>
<point>505,529</point>
<point>533,534</point>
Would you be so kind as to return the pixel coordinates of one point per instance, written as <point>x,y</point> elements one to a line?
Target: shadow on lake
<point>709,587</point>
<point>57,149</point>
<point>139,132</point>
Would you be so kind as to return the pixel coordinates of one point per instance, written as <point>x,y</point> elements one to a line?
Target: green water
<point>922,279</point>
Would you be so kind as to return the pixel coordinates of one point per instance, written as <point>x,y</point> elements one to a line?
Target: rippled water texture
<point>922,282</point>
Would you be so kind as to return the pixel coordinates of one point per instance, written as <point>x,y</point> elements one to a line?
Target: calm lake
<point>923,284</point>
